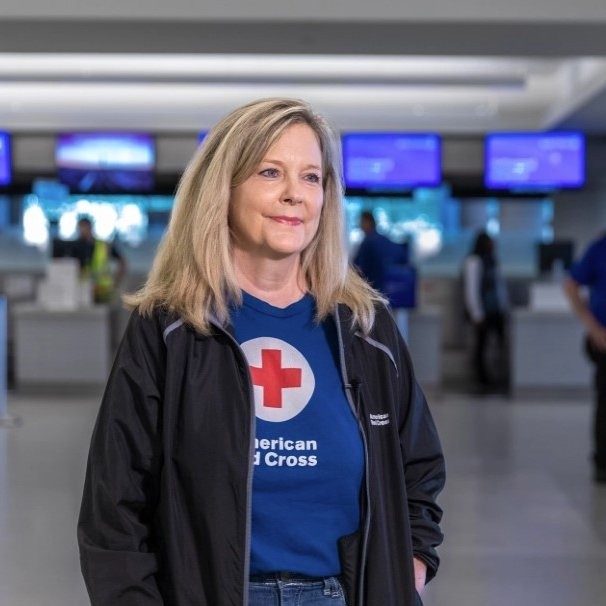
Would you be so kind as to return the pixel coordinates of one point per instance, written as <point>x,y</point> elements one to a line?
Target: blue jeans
<point>271,590</point>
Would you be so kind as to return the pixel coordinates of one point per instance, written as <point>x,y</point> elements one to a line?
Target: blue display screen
<point>106,162</point>
<point>391,160</point>
<point>534,161</point>
<point>5,159</point>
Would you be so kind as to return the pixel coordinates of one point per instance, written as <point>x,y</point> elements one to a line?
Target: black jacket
<point>165,517</point>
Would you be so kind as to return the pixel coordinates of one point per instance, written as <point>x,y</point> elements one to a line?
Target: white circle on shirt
<point>283,381</point>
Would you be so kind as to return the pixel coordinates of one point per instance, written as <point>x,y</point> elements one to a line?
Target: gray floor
<point>524,523</point>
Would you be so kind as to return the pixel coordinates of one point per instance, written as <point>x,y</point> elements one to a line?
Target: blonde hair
<point>193,272</point>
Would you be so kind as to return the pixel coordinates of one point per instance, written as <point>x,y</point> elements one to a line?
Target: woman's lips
<point>287,220</point>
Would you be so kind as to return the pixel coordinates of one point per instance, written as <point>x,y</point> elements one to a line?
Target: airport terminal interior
<point>454,119</point>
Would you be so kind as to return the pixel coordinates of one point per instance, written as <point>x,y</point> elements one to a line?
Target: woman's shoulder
<point>158,320</point>
<point>384,328</point>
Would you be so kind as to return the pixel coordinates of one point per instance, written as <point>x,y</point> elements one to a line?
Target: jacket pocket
<point>349,547</point>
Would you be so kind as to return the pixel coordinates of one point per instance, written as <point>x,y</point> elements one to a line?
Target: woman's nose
<point>292,194</point>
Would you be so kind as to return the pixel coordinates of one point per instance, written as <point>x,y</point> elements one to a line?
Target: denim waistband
<point>285,577</point>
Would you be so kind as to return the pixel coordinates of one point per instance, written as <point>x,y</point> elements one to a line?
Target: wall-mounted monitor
<point>391,161</point>
<point>106,162</point>
<point>5,159</point>
<point>534,161</point>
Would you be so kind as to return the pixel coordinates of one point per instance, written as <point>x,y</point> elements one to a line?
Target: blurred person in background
<point>262,438</point>
<point>486,303</point>
<point>590,271</point>
<point>95,257</point>
<point>376,253</point>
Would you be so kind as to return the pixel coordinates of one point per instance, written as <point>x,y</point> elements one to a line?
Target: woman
<point>262,439</point>
<point>485,304</point>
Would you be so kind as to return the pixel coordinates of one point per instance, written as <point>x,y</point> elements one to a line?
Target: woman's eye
<point>269,172</point>
<point>313,178</point>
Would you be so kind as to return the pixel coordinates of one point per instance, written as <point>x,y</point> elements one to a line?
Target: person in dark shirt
<point>590,271</point>
<point>376,253</point>
<point>94,258</point>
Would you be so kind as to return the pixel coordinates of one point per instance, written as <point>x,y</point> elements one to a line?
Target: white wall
<point>581,215</point>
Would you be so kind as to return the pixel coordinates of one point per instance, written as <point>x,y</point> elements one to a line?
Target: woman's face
<point>275,213</point>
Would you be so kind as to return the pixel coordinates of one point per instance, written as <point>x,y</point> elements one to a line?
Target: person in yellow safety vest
<point>95,257</point>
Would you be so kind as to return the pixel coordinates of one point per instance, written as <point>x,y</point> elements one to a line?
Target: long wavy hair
<point>193,271</point>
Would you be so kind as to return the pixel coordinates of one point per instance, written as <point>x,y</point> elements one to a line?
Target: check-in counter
<point>74,347</point>
<point>547,351</point>
<point>422,330</point>
<point>61,347</point>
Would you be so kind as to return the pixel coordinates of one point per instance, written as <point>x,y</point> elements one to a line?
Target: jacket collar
<point>341,314</point>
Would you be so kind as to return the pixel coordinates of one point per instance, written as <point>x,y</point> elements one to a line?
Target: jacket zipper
<point>251,456</point>
<point>348,389</point>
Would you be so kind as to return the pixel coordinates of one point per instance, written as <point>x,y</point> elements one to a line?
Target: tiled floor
<point>524,523</point>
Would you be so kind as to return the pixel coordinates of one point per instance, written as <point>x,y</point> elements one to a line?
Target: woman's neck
<point>277,282</point>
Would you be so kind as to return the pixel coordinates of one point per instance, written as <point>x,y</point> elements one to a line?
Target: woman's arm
<point>596,332</point>
<point>424,467</point>
<point>115,529</point>
<point>424,471</point>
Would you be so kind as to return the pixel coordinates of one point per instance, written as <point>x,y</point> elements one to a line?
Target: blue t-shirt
<point>309,459</point>
<point>591,271</point>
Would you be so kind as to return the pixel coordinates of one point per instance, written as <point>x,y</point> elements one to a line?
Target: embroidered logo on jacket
<point>382,419</point>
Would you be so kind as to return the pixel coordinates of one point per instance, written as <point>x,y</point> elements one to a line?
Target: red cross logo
<point>273,378</point>
<point>283,380</point>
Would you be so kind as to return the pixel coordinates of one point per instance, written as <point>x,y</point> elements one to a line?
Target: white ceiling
<point>311,10</point>
<point>189,92</point>
<point>462,67</point>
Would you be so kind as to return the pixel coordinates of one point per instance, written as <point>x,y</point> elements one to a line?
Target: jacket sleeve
<point>424,466</point>
<point>115,530</point>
